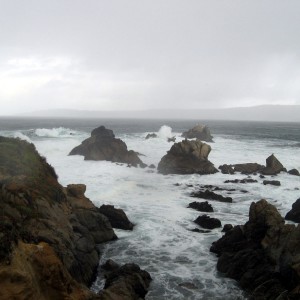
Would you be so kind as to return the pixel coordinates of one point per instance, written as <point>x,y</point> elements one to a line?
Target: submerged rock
<point>201,206</point>
<point>116,217</point>
<point>102,145</point>
<point>200,132</point>
<point>187,157</point>
<point>272,182</point>
<point>151,136</point>
<point>263,255</point>
<point>294,172</point>
<point>209,195</point>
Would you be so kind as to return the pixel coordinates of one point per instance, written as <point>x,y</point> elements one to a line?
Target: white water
<point>161,241</point>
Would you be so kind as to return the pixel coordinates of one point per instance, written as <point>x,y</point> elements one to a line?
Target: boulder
<point>200,132</point>
<point>294,172</point>
<point>272,182</point>
<point>207,222</point>
<point>201,206</point>
<point>263,255</point>
<point>248,168</point>
<point>128,282</point>
<point>209,195</point>
<point>151,136</point>
<point>116,217</point>
<point>273,166</point>
<point>187,157</point>
<point>102,145</point>
<point>226,169</point>
<point>227,227</point>
<point>294,213</point>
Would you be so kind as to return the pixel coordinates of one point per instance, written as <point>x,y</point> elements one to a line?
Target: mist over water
<point>161,241</point>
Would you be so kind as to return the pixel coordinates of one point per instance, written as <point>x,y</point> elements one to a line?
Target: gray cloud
<point>121,55</point>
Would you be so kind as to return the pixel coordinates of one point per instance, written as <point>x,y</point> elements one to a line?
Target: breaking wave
<point>55,132</point>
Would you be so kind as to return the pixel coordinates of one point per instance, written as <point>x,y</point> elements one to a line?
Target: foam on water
<point>161,241</point>
<point>54,132</point>
<point>165,132</point>
<point>22,136</point>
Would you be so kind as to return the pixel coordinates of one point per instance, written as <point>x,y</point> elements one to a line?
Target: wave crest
<point>54,132</point>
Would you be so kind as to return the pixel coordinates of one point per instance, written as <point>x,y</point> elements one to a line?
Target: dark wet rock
<point>110,265</point>
<point>263,255</point>
<point>151,136</point>
<point>227,227</point>
<point>200,132</point>
<point>152,166</point>
<point>245,180</point>
<point>226,169</point>
<point>102,145</point>
<point>207,222</point>
<point>187,157</point>
<point>116,217</point>
<point>262,176</point>
<point>209,195</point>
<point>201,206</point>
<point>248,168</point>
<point>200,230</point>
<point>172,139</point>
<point>294,213</point>
<point>273,166</point>
<point>294,172</point>
<point>244,191</point>
<point>128,282</point>
<point>272,182</point>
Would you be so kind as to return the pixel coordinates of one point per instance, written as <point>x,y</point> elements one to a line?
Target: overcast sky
<point>136,54</point>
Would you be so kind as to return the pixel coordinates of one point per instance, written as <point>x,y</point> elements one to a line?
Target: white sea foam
<point>165,132</point>
<point>161,241</point>
<point>55,132</point>
<point>22,136</point>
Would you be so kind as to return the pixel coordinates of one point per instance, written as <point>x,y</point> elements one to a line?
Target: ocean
<point>178,259</point>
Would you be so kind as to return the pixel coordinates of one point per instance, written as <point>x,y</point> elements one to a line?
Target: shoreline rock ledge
<point>187,157</point>
<point>263,255</point>
<point>102,145</point>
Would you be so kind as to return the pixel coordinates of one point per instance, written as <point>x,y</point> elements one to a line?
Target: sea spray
<point>165,132</point>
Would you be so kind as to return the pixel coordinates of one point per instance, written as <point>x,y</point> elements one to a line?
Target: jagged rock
<point>200,132</point>
<point>272,182</point>
<point>294,172</point>
<point>207,222</point>
<point>209,195</point>
<point>294,213</point>
<point>36,209</point>
<point>187,157</point>
<point>226,169</point>
<point>201,206</point>
<point>151,136</point>
<point>116,217</point>
<point>273,166</point>
<point>102,145</point>
<point>263,255</point>
<point>227,227</point>
<point>128,282</point>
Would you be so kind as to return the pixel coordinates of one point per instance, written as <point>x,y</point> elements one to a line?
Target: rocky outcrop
<point>116,217</point>
<point>263,255</point>
<point>226,169</point>
<point>102,145</point>
<point>207,222</point>
<point>294,213</point>
<point>151,136</point>
<point>200,132</point>
<point>201,206</point>
<point>245,180</point>
<point>128,282</point>
<point>273,166</point>
<point>38,214</point>
<point>187,157</point>
<point>209,195</point>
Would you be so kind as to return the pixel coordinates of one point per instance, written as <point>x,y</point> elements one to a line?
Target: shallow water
<point>161,241</point>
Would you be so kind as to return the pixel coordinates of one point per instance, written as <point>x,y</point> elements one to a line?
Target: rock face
<point>102,145</point>
<point>128,282</point>
<point>207,222</point>
<point>273,166</point>
<point>187,157</point>
<point>294,213</point>
<point>116,217</point>
<point>263,255</point>
<point>200,132</point>
<point>38,214</point>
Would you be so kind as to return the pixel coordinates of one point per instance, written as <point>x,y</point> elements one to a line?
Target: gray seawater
<point>161,241</point>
